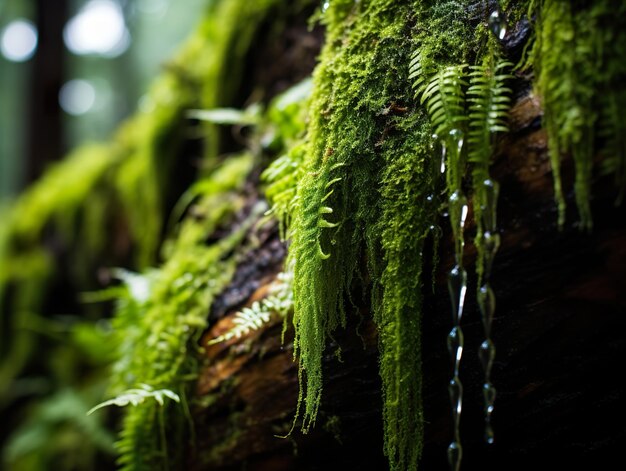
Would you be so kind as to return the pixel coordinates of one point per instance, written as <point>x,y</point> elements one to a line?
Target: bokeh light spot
<point>77,97</point>
<point>19,40</point>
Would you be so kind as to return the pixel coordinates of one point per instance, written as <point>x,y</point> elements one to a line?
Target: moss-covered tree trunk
<point>558,332</point>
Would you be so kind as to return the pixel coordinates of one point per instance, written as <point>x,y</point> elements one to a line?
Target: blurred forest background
<point>71,70</point>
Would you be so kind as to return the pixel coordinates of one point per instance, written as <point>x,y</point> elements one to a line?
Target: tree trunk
<point>45,135</point>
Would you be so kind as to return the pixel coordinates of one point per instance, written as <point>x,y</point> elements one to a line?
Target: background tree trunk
<point>45,134</point>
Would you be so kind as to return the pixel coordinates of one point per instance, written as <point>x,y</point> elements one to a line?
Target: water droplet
<point>456,134</point>
<point>458,207</point>
<point>487,353</point>
<point>455,347</point>
<point>455,389</point>
<point>489,435</point>
<point>497,24</point>
<point>491,190</point>
<point>457,137</point>
<point>491,243</point>
<point>487,306</point>
<point>455,453</point>
<point>457,287</point>
<point>442,167</point>
<point>489,393</point>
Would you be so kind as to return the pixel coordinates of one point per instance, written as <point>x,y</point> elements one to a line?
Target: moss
<point>366,172</point>
<point>158,333</point>
<point>129,181</point>
<point>580,89</point>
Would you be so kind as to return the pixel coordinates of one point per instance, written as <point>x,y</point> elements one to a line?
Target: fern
<point>282,177</point>
<point>489,102</point>
<point>443,96</point>
<point>442,93</point>
<point>159,320</point>
<point>137,396</point>
<point>279,301</point>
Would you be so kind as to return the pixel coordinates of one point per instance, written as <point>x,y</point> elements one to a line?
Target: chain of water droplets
<point>490,244</point>
<point>457,287</point>
<point>486,297</point>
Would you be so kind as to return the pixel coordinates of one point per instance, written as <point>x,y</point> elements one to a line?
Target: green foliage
<point>58,434</point>
<point>489,102</point>
<point>368,188</point>
<point>405,223</point>
<point>159,320</point>
<point>360,193</point>
<point>137,396</point>
<point>282,177</point>
<point>287,117</point>
<point>443,95</point>
<point>279,301</point>
<point>356,179</point>
<point>580,88</point>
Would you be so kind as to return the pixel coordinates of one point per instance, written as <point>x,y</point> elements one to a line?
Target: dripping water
<point>498,24</point>
<point>457,287</point>
<point>457,137</point>
<point>487,299</point>
<point>442,165</point>
<point>457,283</point>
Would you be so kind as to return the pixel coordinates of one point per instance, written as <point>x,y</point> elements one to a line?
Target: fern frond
<point>280,302</point>
<point>282,177</point>
<point>444,98</point>
<point>419,73</point>
<point>489,101</point>
<point>136,396</point>
<point>248,319</point>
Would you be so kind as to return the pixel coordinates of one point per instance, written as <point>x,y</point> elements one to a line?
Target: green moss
<point>365,180</point>
<point>580,89</point>
<point>127,183</point>
<point>369,189</point>
<point>158,330</point>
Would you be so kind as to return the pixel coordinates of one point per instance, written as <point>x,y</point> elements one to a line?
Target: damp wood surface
<point>558,331</point>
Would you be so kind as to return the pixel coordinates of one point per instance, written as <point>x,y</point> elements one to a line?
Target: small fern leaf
<point>280,301</point>
<point>136,396</point>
